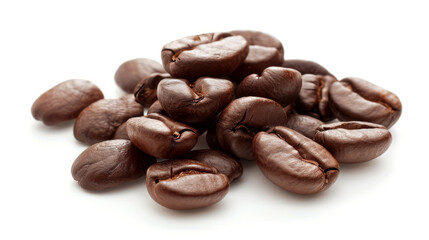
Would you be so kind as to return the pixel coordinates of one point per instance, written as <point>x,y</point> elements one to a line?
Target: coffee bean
<point>242,119</point>
<point>156,108</point>
<point>306,67</point>
<point>100,120</point>
<point>279,84</point>
<point>145,91</point>
<point>185,184</point>
<point>131,72</point>
<point>354,142</point>
<point>211,137</point>
<point>211,54</point>
<point>223,162</point>
<point>264,51</point>
<point>110,163</point>
<point>313,99</point>
<point>65,101</point>
<point>161,136</point>
<point>294,162</point>
<point>304,124</point>
<point>121,132</point>
<point>354,99</point>
<point>193,103</point>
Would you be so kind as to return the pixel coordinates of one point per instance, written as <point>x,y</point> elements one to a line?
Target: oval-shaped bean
<point>294,162</point>
<point>110,163</point>
<point>354,142</point>
<point>65,101</point>
<point>355,99</point>
<point>185,184</point>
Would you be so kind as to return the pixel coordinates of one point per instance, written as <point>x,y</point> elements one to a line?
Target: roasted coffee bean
<point>304,124</point>
<point>121,132</point>
<point>264,51</point>
<point>201,127</point>
<point>306,67</point>
<point>156,108</point>
<point>185,184</point>
<point>131,72</point>
<point>242,119</point>
<point>223,162</point>
<point>161,136</point>
<point>211,137</point>
<point>100,120</point>
<point>196,102</point>
<point>65,101</point>
<point>294,162</point>
<point>354,142</point>
<point>211,54</point>
<point>110,163</point>
<point>277,83</point>
<point>145,91</point>
<point>354,99</point>
<point>313,99</point>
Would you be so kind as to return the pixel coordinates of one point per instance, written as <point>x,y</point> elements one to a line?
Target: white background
<point>45,42</point>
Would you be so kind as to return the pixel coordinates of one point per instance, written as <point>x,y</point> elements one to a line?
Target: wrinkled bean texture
<point>185,184</point>
<point>100,120</point>
<point>65,101</point>
<point>161,136</point>
<point>355,99</point>
<point>294,162</point>
<point>131,72</point>
<point>242,119</point>
<point>313,99</point>
<point>264,51</point>
<point>223,162</point>
<point>306,67</point>
<point>197,102</point>
<point>354,142</point>
<point>279,84</point>
<point>145,91</point>
<point>211,54</point>
<point>108,164</point>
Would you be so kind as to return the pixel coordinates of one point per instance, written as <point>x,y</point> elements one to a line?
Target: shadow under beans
<point>39,126</point>
<point>141,182</point>
<point>369,166</point>
<point>190,213</point>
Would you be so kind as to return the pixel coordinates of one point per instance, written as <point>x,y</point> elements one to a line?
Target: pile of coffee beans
<point>294,118</point>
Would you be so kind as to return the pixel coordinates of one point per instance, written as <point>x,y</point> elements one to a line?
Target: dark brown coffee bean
<point>211,137</point>
<point>201,127</point>
<point>294,162</point>
<point>211,54</point>
<point>161,136</point>
<point>242,119</point>
<point>100,120</point>
<point>313,99</point>
<point>121,132</point>
<point>264,51</point>
<point>306,67</point>
<point>223,162</point>
<point>279,84</point>
<point>65,101</point>
<point>193,103</point>
<point>145,91</point>
<point>185,184</point>
<point>354,142</point>
<point>110,163</point>
<point>303,124</point>
<point>156,108</point>
<point>131,72</point>
<point>356,99</point>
